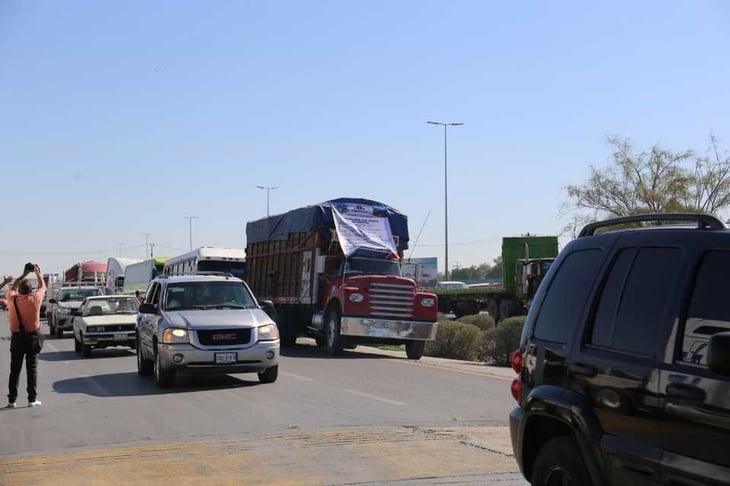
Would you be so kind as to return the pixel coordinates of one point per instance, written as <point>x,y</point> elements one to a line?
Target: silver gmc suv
<point>204,324</point>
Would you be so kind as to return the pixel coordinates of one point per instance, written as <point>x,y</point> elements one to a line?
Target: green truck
<point>525,260</point>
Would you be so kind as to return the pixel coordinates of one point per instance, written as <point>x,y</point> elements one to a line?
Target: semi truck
<point>332,271</point>
<point>525,261</point>
<point>86,273</point>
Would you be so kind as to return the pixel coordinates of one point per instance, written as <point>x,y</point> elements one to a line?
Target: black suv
<point>624,361</point>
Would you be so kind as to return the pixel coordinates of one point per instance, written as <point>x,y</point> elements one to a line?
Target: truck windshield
<point>372,266</point>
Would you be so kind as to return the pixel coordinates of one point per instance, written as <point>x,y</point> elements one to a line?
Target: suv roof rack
<point>704,221</point>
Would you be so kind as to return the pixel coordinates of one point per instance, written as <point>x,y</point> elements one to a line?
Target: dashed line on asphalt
<point>374,397</point>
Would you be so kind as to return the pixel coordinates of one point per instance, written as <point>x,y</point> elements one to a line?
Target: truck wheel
<point>163,376</point>
<point>493,309</point>
<point>269,375</point>
<point>559,462</point>
<point>505,309</point>
<point>144,367</point>
<point>332,326</point>
<point>414,349</point>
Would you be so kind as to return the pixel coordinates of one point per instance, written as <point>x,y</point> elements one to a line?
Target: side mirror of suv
<point>718,357</point>
<point>266,305</point>
<point>147,309</point>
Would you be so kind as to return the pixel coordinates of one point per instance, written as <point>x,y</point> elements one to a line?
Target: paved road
<point>368,417</point>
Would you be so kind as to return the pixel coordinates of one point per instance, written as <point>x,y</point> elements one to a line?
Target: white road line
<point>298,377</point>
<point>48,345</point>
<point>374,397</point>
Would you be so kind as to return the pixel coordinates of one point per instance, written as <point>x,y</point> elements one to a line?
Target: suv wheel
<point>144,367</point>
<point>559,463</point>
<point>58,332</point>
<point>163,377</point>
<point>269,375</point>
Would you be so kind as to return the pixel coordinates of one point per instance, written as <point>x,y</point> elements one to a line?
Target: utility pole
<point>267,189</point>
<point>190,222</point>
<point>146,244</point>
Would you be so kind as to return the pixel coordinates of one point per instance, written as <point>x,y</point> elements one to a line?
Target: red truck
<point>332,271</point>
<point>87,273</point>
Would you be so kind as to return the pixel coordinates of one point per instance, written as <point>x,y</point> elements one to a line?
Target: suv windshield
<point>208,295</point>
<point>77,294</point>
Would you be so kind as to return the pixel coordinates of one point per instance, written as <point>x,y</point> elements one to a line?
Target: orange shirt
<point>30,310</point>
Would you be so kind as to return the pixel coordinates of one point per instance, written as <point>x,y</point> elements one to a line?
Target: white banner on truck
<point>363,227</point>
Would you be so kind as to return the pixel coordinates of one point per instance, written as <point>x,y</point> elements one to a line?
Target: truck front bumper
<point>388,328</point>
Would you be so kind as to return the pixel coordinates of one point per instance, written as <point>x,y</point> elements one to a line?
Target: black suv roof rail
<point>704,221</point>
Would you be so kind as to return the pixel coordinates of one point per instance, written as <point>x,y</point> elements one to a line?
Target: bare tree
<point>653,181</point>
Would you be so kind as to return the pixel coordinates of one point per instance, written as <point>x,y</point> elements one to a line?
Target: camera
<point>29,267</point>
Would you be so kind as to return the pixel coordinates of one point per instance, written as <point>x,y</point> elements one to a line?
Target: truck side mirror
<point>718,356</point>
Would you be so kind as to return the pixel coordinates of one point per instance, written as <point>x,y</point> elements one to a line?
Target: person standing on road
<point>25,341</point>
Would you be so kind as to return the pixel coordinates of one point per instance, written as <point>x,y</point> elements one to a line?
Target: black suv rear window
<point>635,298</point>
<point>567,294</point>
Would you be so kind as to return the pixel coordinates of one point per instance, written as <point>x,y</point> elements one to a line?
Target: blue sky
<point>121,118</point>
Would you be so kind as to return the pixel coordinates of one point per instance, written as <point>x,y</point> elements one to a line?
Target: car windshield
<point>208,295</point>
<point>77,294</point>
<point>372,266</point>
<point>110,306</point>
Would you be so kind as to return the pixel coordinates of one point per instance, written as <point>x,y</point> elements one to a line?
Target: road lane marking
<point>298,377</point>
<point>374,397</point>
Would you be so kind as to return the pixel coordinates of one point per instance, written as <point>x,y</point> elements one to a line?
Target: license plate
<point>225,358</point>
<point>120,337</point>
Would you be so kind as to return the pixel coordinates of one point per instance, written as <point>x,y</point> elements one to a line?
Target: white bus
<point>208,259</point>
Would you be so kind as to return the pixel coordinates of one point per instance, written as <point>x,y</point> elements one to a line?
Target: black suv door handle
<point>583,369</point>
<point>688,392</point>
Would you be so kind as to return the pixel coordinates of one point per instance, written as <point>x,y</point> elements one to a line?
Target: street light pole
<point>268,189</point>
<point>446,192</point>
<point>190,223</point>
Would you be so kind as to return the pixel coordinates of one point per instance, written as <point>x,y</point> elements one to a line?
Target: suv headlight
<point>171,336</point>
<point>64,311</point>
<point>269,332</point>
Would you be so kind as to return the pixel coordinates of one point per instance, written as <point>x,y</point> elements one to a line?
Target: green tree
<point>653,181</point>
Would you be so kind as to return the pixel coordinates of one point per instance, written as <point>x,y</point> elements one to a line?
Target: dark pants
<point>23,346</point>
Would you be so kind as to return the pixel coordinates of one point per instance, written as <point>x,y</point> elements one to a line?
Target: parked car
<point>65,302</point>
<point>204,324</point>
<point>624,362</point>
<point>105,321</point>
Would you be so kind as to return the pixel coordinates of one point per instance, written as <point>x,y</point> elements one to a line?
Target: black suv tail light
<point>516,386</point>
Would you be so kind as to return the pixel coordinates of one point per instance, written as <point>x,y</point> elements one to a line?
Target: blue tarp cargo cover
<point>319,216</point>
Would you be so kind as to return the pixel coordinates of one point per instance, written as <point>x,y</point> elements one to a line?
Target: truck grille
<point>224,337</point>
<point>391,300</point>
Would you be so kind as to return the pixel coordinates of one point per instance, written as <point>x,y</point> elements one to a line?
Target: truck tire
<point>333,323</point>
<point>493,309</point>
<point>506,309</point>
<point>287,327</point>
<point>414,349</point>
<point>144,367</point>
